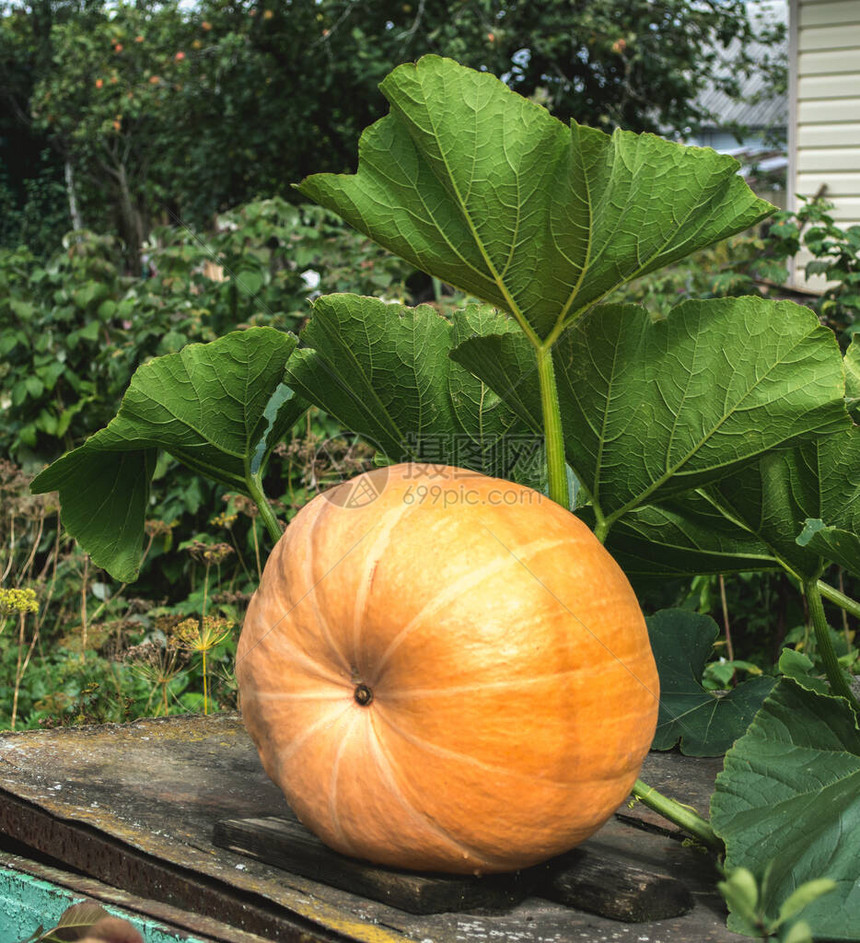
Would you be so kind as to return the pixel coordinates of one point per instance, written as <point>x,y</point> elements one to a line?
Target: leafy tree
<point>104,98</point>
<point>288,86</point>
<point>636,64</point>
<point>33,190</point>
<point>166,110</point>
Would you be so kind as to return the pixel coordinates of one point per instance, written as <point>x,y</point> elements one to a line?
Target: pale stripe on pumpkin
<point>455,590</point>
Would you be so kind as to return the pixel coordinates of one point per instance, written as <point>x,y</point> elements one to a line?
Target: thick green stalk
<point>255,489</point>
<point>681,815</point>
<point>850,605</point>
<point>559,489</point>
<point>838,683</point>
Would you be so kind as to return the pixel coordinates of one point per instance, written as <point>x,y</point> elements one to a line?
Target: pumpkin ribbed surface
<point>455,676</point>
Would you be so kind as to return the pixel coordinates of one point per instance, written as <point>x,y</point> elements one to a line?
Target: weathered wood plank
<point>594,879</point>
<point>610,886</point>
<point>284,842</point>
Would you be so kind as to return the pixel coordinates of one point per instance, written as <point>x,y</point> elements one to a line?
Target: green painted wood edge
<point>26,902</point>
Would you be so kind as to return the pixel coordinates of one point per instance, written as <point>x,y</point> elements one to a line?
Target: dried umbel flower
<point>203,552</point>
<point>243,505</point>
<point>201,635</point>
<point>17,600</point>
<point>158,665</point>
<point>225,520</point>
<point>158,528</point>
<point>231,598</point>
<point>145,652</point>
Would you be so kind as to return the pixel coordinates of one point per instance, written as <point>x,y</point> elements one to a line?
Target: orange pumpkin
<point>453,676</point>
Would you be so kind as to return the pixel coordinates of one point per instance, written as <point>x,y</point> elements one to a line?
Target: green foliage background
<point>155,112</point>
<point>150,119</point>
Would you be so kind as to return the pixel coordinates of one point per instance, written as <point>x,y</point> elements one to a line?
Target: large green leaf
<point>104,498</point>
<point>780,498</point>
<point>684,537</point>
<point>705,723</point>
<point>789,798</point>
<point>384,372</point>
<point>852,377</point>
<point>486,190</point>
<point>651,409</point>
<point>219,408</point>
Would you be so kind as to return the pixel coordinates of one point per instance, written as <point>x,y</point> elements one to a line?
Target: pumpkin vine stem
<point>836,596</point>
<point>559,489</point>
<point>838,682</point>
<point>682,815</point>
<point>255,490</point>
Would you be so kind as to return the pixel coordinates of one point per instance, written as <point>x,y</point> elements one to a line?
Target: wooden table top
<point>135,806</point>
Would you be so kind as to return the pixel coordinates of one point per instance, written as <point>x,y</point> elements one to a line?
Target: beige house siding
<point>824,108</point>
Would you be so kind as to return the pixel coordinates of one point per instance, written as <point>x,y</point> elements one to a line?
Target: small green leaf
<point>90,293</point>
<point>706,724</point>
<point>34,387</point>
<point>22,310</point>
<point>51,373</point>
<point>740,891</point>
<point>800,668</point>
<point>798,933</point>
<point>8,342</point>
<point>487,191</point>
<point>107,309</point>
<point>805,895</point>
<point>90,332</point>
<point>789,794</point>
<point>249,282</point>
<point>47,422</point>
<point>818,267</point>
